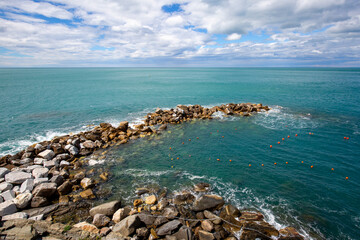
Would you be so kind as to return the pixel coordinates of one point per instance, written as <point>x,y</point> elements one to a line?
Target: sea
<point>308,179</point>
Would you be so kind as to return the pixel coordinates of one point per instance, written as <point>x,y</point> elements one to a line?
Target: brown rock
<point>120,214</point>
<point>203,235</point>
<point>65,188</point>
<point>107,209</point>
<point>207,225</point>
<point>105,231</point>
<point>251,216</point>
<point>100,220</point>
<point>87,227</point>
<point>44,190</point>
<point>150,200</point>
<point>87,194</point>
<point>206,202</point>
<point>64,199</point>
<point>262,230</point>
<point>127,226</point>
<point>290,233</point>
<point>39,202</point>
<point>137,202</point>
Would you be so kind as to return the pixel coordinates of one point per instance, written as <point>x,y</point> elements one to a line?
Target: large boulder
<point>107,209</point>
<point>168,228</point>
<point>44,190</point>
<point>127,226</point>
<point>101,220</point>
<point>7,207</point>
<point>3,172</point>
<point>65,188</point>
<point>261,229</point>
<point>17,177</point>
<point>89,144</point>
<point>47,154</point>
<point>18,215</point>
<point>120,214</point>
<point>184,233</point>
<point>5,186</point>
<point>8,195</point>
<point>206,202</point>
<point>40,172</point>
<point>204,235</point>
<point>22,200</point>
<point>27,185</point>
<point>87,227</point>
<point>123,126</point>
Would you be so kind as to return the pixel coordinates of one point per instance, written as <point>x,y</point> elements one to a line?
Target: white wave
<point>144,173</point>
<point>279,118</point>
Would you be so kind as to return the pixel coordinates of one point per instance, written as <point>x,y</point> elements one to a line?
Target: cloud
<point>158,32</point>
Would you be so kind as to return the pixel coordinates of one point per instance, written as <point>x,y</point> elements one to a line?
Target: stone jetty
<point>46,181</point>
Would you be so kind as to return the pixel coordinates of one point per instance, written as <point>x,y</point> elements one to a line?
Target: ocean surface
<point>38,104</point>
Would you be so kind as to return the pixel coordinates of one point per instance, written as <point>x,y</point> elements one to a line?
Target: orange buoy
<point>270,146</point>
<point>249,165</point>
<point>311,166</point>
<point>332,169</point>
<point>283,139</point>
<point>182,142</point>
<point>170,148</point>
<point>189,139</point>
<point>218,159</point>
<point>309,133</point>
<point>344,137</point>
<point>275,163</point>
<point>230,160</point>
<point>288,136</point>
<point>278,142</point>
<point>222,136</point>
<point>177,158</point>
<point>296,135</point>
<point>347,178</point>
<point>347,138</point>
<point>197,137</point>
<point>302,161</point>
<point>262,165</point>
<point>286,162</point>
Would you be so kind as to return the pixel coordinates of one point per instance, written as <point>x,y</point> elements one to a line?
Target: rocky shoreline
<point>47,183</point>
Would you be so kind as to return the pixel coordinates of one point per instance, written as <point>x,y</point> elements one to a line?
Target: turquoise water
<point>37,104</point>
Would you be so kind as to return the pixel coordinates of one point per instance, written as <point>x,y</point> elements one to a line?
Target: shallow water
<point>37,104</point>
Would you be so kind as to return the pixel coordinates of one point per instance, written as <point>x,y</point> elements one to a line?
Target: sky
<point>193,33</point>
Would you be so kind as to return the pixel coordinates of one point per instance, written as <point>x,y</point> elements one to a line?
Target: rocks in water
<point>123,126</point>
<point>47,154</point>
<point>138,202</point>
<point>45,190</point>
<point>17,177</point>
<point>251,216</point>
<point>163,127</point>
<point>127,226</point>
<point>186,198</point>
<point>7,207</point>
<point>168,228</point>
<point>232,210</point>
<point>87,194</point>
<point>206,202</point>
<point>252,230</point>
<point>87,183</point>
<point>101,220</point>
<point>107,209</point>
<point>40,172</point>
<point>22,200</point>
<point>289,233</point>
<point>202,187</point>
<point>150,200</point>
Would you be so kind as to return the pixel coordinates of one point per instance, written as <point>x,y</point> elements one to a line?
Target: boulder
<point>44,190</point>
<point>8,195</point>
<point>47,154</point>
<point>7,207</point>
<point>65,188</point>
<point>184,233</point>
<point>87,194</point>
<point>89,144</point>
<point>100,220</point>
<point>38,181</point>
<point>107,209</point>
<point>202,187</point>
<point>18,215</point>
<point>251,216</point>
<point>87,227</point>
<point>64,163</point>
<point>17,177</point>
<point>40,172</point>
<point>170,212</point>
<point>123,126</point>
<point>127,226</point>
<point>39,202</point>
<point>72,150</point>
<point>22,200</point>
<point>232,210</point>
<point>261,229</point>
<point>39,161</point>
<point>150,200</point>
<point>58,179</point>
<point>290,233</point>
<point>5,186</point>
<point>168,228</point>
<point>87,183</point>
<point>50,163</point>
<point>3,172</point>
<point>210,215</point>
<point>207,225</point>
<point>186,198</point>
<point>203,235</point>
<point>120,214</point>
<point>147,219</point>
<point>27,185</point>
<point>206,202</point>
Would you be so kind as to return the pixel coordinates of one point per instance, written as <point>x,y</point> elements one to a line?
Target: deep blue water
<point>37,104</point>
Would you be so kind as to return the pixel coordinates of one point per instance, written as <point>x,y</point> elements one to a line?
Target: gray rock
<point>58,179</point>
<point>18,215</point>
<point>170,212</point>
<point>100,220</point>
<point>22,200</point>
<point>3,172</point>
<point>39,161</point>
<point>26,161</point>
<point>39,148</point>
<point>38,181</point>
<point>107,209</point>
<point>208,202</point>
<point>7,207</point>
<point>29,169</point>
<point>168,228</point>
<point>88,144</point>
<point>37,217</point>
<point>17,177</point>
<point>1,199</point>
<point>27,185</point>
<point>62,156</point>
<point>5,186</point>
<point>47,154</point>
<point>127,226</point>
<point>44,190</point>
<point>41,210</point>
<point>147,219</point>
<point>184,233</point>
<point>8,195</point>
<point>64,163</point>
<point>16,189</point>
<point>73,150</point>
<point>120,214</point>
<point>41,172</point>
<point>2,180</point>
<point>39,202</point>
<point>210,215</point>
<point>51,163</point>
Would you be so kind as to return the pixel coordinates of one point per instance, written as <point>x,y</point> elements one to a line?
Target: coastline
<point>57,168</point>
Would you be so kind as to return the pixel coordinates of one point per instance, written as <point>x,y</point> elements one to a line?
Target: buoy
<point>172,159</point>
<point>172,166</point>
<point>347,178</point>
<point>332,169</point>
<point>312,166</point>
<point>296,135</point>
<point>283,139</point>
<point>249,165</point>
<point>217,130</point>
<point>288,136</point>
<point>189,155</point>
<point>177,158</point>
<point>189,139</point>
<point>302,161</point>
<point>270,146</point>
<point>347,138</point>
<point>218,159</point>
<point>182,142</point>
<point>278,142</point>
<point>309,133</point>
<point>222,136</point>
<point>275,163</point>
<point>344,137</point>
<point>197,137</point>
<point>286,162</point>
<point>262,165</point>
<point>170,148</point>
<point>230,160</point>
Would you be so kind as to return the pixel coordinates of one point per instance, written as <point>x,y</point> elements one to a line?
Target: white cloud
<point>233,36</point>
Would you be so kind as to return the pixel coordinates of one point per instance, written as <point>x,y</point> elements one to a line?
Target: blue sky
<point>231,33</point>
